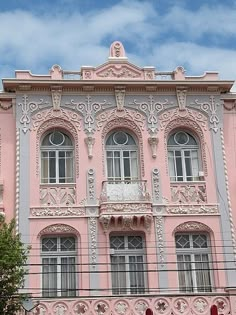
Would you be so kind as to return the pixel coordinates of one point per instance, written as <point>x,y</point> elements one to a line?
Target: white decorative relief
<point>200,305</point>
<point>57,212</point>
<point>156,184</point>
<point>93,241</point>
<point>57,229</point>
<point>60,309</point>
<point>88,109</point>
<point>153,141</point>
<point>121,72</point>
<point>91,196</point>
<point>125,207</point>
<point>89,141</point>
<point>17,197</point>
<point>211,109</point>
<point>192,226</point>
<point>181,94</point>
<point>60,196</point>
<point>56,97</point>
<point>159,239</point>
<point>80,308</point>
<point>188,193</point>
<point>192,209</point>
<point>120,98</point>
<point>27,109</point>
<point>151,109</point>
<point>141,307</point>
<point>180,305</point>
<point>110,115</point>
<point>101,308</point>
<point>121,307</point>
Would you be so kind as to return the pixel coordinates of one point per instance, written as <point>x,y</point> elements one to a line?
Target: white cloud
<point>36,41</point>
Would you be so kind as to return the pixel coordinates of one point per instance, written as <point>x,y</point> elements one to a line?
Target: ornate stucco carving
<point>200,305</point>
<point>58,195</point>
<point>81,308</point>
<point>126,222</point>
<point>231,220</point>
<point>192,209</point>
<point>57,212</point>
<point>121,307</point>
<point>61,113</point>
<point>125,207</point>
<point>93,240</point>
<point>211,109</point>
<point>192,226</point>
<point>120,98</point>
<point>128,114</point>
<point>181,94</point>
<point>91,191</point>
<point>89,141</point>
<point>151,108</point>
<point>123,123</point>
<point>27,108</point>
<point>119,71</point>
<point>141,307</point>
<point>156,184</point>
<point>57,229</point>
<point>153,141</point>
<point>60,309</point>
<point>88,109</point>
<point>195,193</point>
<point>159,239</point>
<point>57,123</point>
<point>5,105</point>
<point>190,119</point>
<point>56,97</point>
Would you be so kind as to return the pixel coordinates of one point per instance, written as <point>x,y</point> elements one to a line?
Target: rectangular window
<point>58,266</point>
<point>127,264</point>
<point>193,263</point>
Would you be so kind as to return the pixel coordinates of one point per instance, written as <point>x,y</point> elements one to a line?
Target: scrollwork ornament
<point>211,109</point>
<point>88,109</point>
<point>160,240</point>
<point>57,229</point>
<point>93,241</point>
<point>27,108</point>
<point>156,184</point>
<point>151,109</point>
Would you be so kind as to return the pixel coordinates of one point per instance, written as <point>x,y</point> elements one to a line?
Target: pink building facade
<point>122,180</point>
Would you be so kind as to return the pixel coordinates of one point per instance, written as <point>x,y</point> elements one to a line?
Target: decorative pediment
<point>117,68</point>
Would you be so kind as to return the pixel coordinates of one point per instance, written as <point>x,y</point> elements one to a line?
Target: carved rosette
<point>101,308</point>
<point>81,308</point>
<point>180,305</point>
<point>162,306</point>
<point>121,307</point>
<point>200,305</point>
<point>60,309</point>
<point>141,307</point>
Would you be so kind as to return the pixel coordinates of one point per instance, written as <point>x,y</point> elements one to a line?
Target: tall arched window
<point>57,155</point>
<point>183,157</point>
<point>193,261</point>
<point>122,157</point>
<point>58,254</point>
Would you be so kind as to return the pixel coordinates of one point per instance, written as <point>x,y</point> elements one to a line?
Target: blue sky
<point>199,35</point>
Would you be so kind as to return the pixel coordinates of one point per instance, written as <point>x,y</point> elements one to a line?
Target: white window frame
<point>182,149</point>
<point>188,269</point>
<point>127,253</point>
<point>121,149</point>
<point>59,255</point>
<point>57,149</point>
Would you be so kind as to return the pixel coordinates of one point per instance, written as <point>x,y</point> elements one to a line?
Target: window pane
<point>126,168</point>
<point>182,241</point>
<point>136,274</point>
<point>49,277</point>
<point>171,161</point>
<point>52,167</point>
<point>68,276</point>
<point>185,273</point>
<point>118,274</point>
<point>67,243</point>
<point>49,244</point>
<point>179,169</point>
<point>203,273</point>
<point>117,242</point>
<point>135,242</point>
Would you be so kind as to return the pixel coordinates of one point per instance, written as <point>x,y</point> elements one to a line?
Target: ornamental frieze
<point>193,209</point>
<point>57,211</point>
<point>125,207</point>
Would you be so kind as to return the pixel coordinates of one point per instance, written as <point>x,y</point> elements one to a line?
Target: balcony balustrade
<point>191,192</point>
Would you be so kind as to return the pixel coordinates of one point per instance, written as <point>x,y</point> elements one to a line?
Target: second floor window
<point>127,264</point>
<point>122,157</point>
<point>57,156</point>
<point>183,157</point>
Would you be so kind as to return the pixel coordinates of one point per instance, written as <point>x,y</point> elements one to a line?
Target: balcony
<point>124,190</point>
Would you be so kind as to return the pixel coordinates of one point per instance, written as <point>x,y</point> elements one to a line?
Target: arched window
<point>122,157</point>
<point>193,261</point>
<point>127,264</point>
<point>58,254</point>
<point>57,154</point>
<point>183,157</point>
